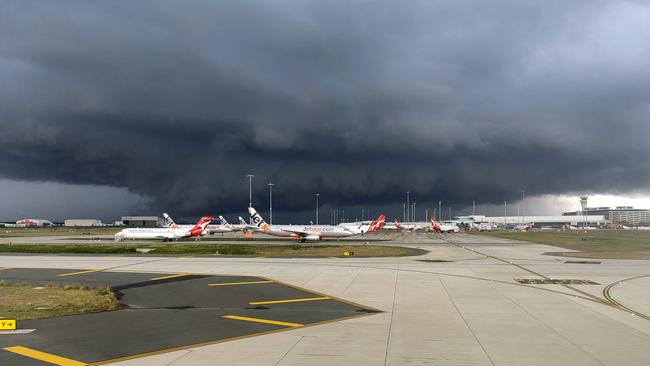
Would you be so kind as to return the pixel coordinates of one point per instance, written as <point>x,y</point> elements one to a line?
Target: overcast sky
<point>110,107</point>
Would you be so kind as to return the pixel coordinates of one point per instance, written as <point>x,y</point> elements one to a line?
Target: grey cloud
<point>357,100</point>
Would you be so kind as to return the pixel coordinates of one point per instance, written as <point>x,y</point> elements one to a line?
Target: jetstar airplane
<point>166,234</point>
<point>224,227</point>
<point>442,227</point>
<point>310,232</point>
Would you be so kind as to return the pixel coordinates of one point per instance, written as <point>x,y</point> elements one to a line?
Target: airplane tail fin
<point>169,222</point>
<point>378,224</point>
<point>435,225</point>
<point>200,226</point>
<point>223,221</point>
<point>242,221</point>
<point>397,224</point>
<point>256,218</point>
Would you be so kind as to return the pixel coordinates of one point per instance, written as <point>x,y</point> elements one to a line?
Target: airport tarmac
<point>459,304</point>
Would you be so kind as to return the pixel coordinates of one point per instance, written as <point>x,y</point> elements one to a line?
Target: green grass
<point>127,249</point>
<point>295,250</point>
<point>614,244</point>
<point>23,301</point>
<point>13,232</point>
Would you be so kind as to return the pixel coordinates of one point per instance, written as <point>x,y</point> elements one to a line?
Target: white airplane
<point>310,232</point>
<point>417,225</point>
<point>224,227</point>
<point>166,234</point>
<point>571,227</point>
<point>442,227</point>
<point>524,227</point>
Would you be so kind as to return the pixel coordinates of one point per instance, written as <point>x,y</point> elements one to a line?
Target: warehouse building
<point>82,222</point>
<point>141,221</point>
<point>625,215</point>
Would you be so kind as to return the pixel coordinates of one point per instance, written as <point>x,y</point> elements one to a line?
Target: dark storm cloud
<point>357,100</point>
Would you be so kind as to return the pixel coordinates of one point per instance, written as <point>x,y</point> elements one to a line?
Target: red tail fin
<point>435,225</point>
<point>201,225</point>
<point>377,224</point>
<point>397,224</point>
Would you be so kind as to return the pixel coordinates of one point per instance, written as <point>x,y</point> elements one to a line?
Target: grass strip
<point>296,250</point>
<point>24,301</point>
<point>612,244</point>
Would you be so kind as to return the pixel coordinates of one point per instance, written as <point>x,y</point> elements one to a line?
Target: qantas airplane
<point>224,227</point>
<point>166,234</point>
<point>409,225</point>
<point>310,232</point>
<point>442,227</point>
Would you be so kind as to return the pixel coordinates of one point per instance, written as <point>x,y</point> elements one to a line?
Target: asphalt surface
<point>163,312</point>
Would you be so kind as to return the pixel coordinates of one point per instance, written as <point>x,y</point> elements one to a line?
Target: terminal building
<point>559,220</point>
<point>142,221</point>
<point>625,215</point>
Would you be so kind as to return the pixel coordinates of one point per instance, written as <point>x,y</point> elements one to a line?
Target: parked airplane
<point>166,234</point>
<point>525,227</point>
<point>309,232</point>
<point>396,225</point>
<point>571,227</point>
<point>224,227</point>
<point>442,227</point>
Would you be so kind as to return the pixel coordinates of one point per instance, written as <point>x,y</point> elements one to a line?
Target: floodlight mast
<point>250,193</point>
<point>317,195</point>
<point>270,202</point>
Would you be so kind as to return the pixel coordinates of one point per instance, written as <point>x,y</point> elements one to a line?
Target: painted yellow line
<point>291,300</point>
<point>4,268</point>
<point>265,321</point>
<point>80,272</point>
<point>239,283</point>
<point>42,356</point>
<point>170,276</point>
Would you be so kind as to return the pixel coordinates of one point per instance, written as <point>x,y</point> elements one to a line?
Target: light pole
<point>413,216</point>
<point>523,207</point>
<point>505,213</point>
<point>426,214</point>
<point>408,204</point>
<point>316,194</point>
<point>473,208</point>
<point>439,210</point>
<point>404,213</point>
<point>250,194</point>
<point>270,202</point>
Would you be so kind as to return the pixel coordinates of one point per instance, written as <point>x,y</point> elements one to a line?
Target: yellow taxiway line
<point>80,272</point>
<point>265,321</point>
<point>42,356</point>
<point>4,268</point>
<point>239,283</point>
<point>290,300</point>
<point>170,276</point>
